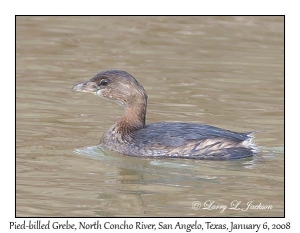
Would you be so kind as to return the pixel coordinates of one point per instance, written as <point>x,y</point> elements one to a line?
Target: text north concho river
<point>124,225</point>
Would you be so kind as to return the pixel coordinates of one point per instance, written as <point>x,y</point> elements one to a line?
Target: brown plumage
<point>131,136</point>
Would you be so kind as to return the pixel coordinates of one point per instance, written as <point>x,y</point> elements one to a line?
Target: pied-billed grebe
<point>130,135</point>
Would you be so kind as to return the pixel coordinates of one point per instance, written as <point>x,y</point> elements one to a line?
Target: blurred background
<point>223,71</point>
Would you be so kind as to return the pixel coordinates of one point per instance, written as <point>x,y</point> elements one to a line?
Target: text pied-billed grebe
<point>130,135</point>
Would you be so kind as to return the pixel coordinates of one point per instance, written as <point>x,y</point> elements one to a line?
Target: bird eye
<point>104,82</point>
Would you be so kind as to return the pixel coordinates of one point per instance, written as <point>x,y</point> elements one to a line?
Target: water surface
<point>223,71</point>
